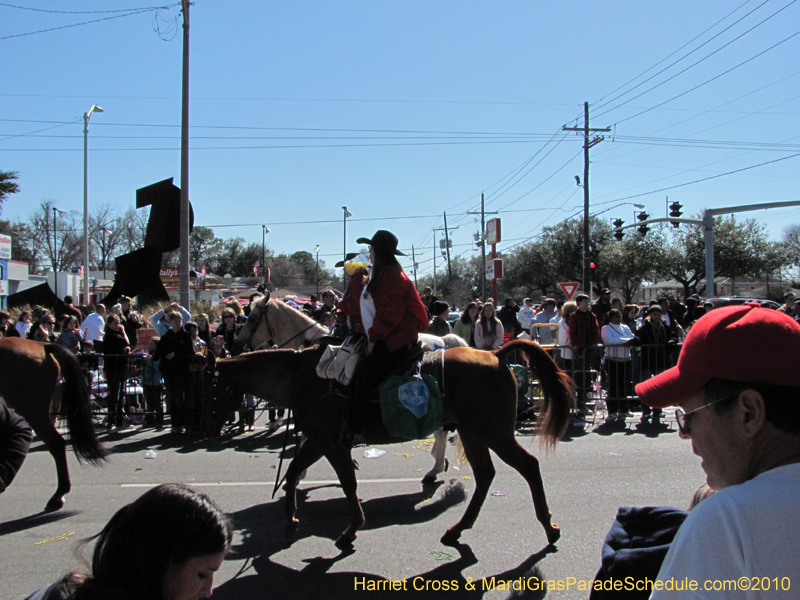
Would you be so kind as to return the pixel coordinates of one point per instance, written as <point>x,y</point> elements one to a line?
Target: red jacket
<point>578,335</point>
<point>350,305</point>
<point>399,312</point>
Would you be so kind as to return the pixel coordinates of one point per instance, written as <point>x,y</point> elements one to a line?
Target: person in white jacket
<point>488,329</point>
<point>525,315</point>
<point>564,343</point>
<point>617,339</point>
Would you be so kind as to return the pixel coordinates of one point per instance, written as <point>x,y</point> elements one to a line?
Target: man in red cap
<point>737,388</point>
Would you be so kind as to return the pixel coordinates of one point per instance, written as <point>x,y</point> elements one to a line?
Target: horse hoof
<point>553,534</point>
<point>428,479</point>
<point>344,542</point>
<point>450,538</point>
<point>291,529</point>
<point>54,504</point>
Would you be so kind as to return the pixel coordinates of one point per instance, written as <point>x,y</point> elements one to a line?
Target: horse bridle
<point>269,329</point>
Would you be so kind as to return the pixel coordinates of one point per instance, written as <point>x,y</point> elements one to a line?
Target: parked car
<point>453,317</point>
<point>718,302</point>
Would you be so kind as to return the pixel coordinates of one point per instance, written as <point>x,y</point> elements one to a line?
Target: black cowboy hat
<point>348,256</point>
<point>383,239</point>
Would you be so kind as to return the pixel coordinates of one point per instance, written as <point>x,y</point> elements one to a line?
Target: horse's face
<point>255,331</point>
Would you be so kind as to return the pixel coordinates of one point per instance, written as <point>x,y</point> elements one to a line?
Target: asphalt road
<point>592,472</point>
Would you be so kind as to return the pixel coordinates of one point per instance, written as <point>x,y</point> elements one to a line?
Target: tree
<point>566,244</point>
<point>8,185</point>
<point>530,269</point>
<point>203,244</point>
<point>66,249</point>
<point>22,246</point>
<point>633,260</point>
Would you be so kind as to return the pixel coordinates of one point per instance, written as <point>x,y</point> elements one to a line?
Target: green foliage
<point>8,185</point>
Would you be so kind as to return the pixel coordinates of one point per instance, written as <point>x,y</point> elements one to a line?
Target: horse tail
<point>557,389</point>
<point>77,406</point>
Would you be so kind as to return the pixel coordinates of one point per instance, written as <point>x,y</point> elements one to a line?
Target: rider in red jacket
<point>393,315</point>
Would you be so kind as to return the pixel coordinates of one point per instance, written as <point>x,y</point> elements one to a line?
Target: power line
<point>795,34</point>
<point>692,52</point>
<point>672,187</point>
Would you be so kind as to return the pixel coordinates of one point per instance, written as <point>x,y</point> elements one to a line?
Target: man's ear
<point>752,411</point>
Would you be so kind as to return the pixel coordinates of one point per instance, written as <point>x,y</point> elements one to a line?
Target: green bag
<point>411,407</point>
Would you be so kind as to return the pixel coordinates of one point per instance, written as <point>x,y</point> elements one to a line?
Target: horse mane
<point>291,310</point>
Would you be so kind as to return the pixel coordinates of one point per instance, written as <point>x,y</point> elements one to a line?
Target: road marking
<point>262,483</point>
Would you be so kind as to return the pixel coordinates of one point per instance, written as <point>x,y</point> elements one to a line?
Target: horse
<point>288,378</point>
<point>274,320</point>
<point>29,372</point>
<point>288,327</point>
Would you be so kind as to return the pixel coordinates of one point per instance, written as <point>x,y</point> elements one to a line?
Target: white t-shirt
<point>93,327</point>
<point>749,531</point>
<point>367,310</point>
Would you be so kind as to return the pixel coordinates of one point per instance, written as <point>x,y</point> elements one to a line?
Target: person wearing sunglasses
<point>737,391</point>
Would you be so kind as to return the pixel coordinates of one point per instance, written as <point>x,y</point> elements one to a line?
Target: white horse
<point>287,327</point>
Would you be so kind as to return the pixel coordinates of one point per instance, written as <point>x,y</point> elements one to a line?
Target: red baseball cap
<point>737,343</point>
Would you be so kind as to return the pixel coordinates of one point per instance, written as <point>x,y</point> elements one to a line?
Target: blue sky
<point>404,110</point>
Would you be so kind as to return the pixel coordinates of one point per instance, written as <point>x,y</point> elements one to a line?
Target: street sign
<point>493,231</point>
<point>494,268</point>
<point>569,288</point>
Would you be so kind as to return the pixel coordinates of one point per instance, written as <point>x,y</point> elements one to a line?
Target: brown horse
<point>480,399</point>
<point>29,372</point>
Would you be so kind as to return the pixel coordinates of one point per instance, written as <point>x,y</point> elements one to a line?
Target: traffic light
<point>618,234</point>
<point>643,216</point>
<point>675,212</point>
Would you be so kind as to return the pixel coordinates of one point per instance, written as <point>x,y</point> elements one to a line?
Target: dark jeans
<point>115,398</point>
<point>619,375</point>
<point>176,387</point>
<point>372,370</point>
<point>154,405</point>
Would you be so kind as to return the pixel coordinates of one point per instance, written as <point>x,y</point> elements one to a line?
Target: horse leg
<point>342,462</point>
<point>307,455</point>
<point>441,463</point>
<point>512,453</point>
<point>57,447</point>
<point>478,455</point>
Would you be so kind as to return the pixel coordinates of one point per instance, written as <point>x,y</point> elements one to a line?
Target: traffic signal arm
<point>660,220</point>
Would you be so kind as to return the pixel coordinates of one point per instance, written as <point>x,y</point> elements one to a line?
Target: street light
<point>264,231</point>
<point>56,212</point>
<point>86,118</point>
<point>109,232</point>
<point>317,251</point>
<point>347,214</point>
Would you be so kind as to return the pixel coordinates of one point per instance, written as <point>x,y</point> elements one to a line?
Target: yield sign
<point>569,288</point>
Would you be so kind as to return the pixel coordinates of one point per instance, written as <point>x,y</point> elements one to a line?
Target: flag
<point>80,273</point>
<point>347,214</point>
<point>203,271</point>
<point>255,269</point>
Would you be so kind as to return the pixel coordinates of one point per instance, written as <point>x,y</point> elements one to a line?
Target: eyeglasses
<point>683,418</point>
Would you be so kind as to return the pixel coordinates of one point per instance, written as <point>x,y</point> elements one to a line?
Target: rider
<point>348,315</point>
<point>393,315</point>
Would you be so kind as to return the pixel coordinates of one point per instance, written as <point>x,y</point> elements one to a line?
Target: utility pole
<point>587,143</point>
<point>414,262</point>
<point>185,209</point>
<point>483,214</point>
<point>446,245</point>
<point>434,261</point>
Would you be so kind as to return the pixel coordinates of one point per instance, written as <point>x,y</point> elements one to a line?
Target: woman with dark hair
<point>465,326</point>
<point>166,545</point>
<point>488,330</point>
<point>392,314</point>
<point>115,365</point>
